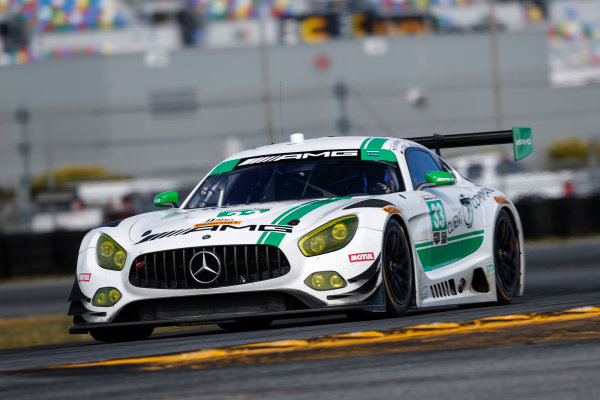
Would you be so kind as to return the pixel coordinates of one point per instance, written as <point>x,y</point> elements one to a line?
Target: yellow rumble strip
<point>574,324</point>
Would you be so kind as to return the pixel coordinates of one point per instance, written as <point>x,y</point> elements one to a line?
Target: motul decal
<point>84,277</point>
<point>361,257</point>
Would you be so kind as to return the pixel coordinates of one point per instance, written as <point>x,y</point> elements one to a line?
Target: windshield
<point>297,180</point>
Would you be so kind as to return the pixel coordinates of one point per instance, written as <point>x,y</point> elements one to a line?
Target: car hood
<point>266,223</point>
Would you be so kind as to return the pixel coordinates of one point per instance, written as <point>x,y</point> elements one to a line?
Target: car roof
<point>323,143</point>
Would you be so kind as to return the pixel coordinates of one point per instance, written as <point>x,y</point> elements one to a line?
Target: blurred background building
<point>105,102</point>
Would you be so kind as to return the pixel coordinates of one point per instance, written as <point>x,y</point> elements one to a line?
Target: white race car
<point>350,225</point>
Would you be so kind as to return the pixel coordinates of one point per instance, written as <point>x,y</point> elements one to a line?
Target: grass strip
<point>39,330</point>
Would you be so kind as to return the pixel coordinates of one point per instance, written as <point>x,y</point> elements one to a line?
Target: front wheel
<point>397,269</point>
<point>507,260</point>
<point>122,334</point>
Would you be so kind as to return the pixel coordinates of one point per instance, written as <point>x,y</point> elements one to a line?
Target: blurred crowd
<point>39,29</point>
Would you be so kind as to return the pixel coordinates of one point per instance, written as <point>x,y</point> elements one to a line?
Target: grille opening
<point>239,265</point>
<point>479,282</point>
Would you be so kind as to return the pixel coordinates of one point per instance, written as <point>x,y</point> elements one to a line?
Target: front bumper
<point>163,303</point>
<point>191,310</point>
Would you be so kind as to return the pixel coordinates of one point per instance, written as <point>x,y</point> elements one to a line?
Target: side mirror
<point>167,199</point>
<point>437,178</point>
<point>440,178</point>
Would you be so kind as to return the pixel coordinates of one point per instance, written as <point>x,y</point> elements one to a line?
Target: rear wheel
<point>122,334</point>
<point>397,269</point>
<point>507,261</point>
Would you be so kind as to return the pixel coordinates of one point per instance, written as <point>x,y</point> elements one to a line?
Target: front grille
<point>239,265</point>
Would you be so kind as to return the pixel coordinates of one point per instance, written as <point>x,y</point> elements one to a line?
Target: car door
<point>452,218</point>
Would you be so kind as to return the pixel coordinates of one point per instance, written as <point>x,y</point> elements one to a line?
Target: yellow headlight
<point>339,231</point>
<point>100,299</point>
<point>114,295</point>
<point>326,280</point>
<point>317,281</point>
<point>336,281</point>
<point>329,237</point>
<point>107,249</point>
<point>119,258</point>
<point>110,254</point>
<point>106,297</point>
<point>317,244</point>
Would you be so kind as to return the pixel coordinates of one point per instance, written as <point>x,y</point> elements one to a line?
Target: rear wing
<point>519,137</point>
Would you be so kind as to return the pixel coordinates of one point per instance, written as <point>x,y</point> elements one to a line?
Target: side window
<point>419,163</point>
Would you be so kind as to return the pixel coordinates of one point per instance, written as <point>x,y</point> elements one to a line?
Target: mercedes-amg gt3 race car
<point>332,225</point>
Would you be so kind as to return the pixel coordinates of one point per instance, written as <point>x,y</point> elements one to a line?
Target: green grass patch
<point>38,330</point>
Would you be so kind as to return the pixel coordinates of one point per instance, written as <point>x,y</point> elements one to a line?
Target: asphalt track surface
<point>530,349</point>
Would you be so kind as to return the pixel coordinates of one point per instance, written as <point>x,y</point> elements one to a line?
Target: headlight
<point>109,254</point>
<point>106,297</point>
<point>325,280</point>
<point>329,237</point>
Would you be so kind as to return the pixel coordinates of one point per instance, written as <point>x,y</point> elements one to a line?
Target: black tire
<point>254,324</point>
<point>397,269</point>
<point>122,334</point>
<point>507,260</point>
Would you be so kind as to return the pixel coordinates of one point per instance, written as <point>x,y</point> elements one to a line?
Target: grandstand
<point>38,29</point>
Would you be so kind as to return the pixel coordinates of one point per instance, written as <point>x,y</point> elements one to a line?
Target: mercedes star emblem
<point>205,267</point>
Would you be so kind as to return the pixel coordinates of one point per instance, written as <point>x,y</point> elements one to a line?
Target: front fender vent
<point>443,289</point>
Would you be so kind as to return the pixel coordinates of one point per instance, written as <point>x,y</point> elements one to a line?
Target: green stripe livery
<point>225,166</point>
<point>275,238</point>
<point>371,149</point>
<point>458,247</point>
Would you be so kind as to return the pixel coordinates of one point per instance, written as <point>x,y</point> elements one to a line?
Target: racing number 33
<point>438,215</point>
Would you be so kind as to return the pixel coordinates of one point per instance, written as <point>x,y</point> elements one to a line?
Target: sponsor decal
<point>241,212</point>
<point>428,197</point>
<point>373,153</point>
<point>391,210</point>
<point>489,269</point>
<point>84,277</point>
<point>219,228</point>
<point>214,221</point>
<point>395,144</point>
<point>501,200</point>
<point>361,257</point>
<point>522,142</point>
<point>298,156</point>
<point>440,238</point>
<point>140,264</point>
<point>481,196</point>
<point>463,217</point>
